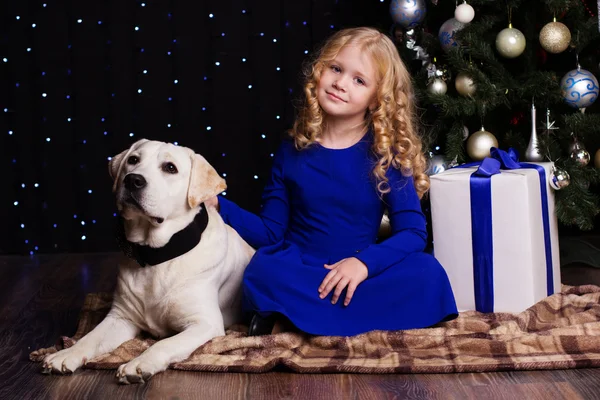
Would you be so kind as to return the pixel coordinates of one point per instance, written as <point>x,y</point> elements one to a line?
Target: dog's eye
<point>133,160</point>
<point>170,168</point>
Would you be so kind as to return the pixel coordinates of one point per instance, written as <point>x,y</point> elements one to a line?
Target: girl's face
<point>348,85</point>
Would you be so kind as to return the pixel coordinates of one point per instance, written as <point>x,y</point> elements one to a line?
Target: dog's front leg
<point>173,349</point>
<point>105,337</point>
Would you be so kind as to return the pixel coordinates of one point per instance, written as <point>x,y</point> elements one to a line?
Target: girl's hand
<point>212,202</point>
<point>347,272</point>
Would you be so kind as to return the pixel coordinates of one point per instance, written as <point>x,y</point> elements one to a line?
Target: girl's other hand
<point>348,272</point>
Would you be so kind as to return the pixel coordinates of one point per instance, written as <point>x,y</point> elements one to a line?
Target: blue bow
<point>481,222</point>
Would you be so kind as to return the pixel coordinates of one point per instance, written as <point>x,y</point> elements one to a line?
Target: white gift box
<point>519,253</point>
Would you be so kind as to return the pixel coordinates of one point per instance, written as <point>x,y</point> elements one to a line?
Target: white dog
<point>184,285</point>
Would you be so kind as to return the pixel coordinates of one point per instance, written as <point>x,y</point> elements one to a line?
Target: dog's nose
<point>134,182</point>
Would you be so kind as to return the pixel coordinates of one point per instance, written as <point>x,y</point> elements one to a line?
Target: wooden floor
<point>40,298</point>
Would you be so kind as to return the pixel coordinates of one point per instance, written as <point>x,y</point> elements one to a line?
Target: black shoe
<point>261,325</point>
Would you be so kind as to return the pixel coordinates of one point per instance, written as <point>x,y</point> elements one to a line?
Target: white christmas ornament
<point>464,13</point>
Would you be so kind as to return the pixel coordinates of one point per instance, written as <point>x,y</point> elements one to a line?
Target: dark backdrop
<point>82,80</point>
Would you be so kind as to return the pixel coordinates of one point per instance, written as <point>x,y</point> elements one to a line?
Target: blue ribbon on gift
<point>481,222</point>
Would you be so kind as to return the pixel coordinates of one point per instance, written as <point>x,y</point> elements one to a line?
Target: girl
<point>353,151</point>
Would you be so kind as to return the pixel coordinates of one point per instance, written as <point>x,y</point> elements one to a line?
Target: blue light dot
<point>31,253</point>
<point>210,15</point>
<point>174,40</point>
<point>29,49</point>
<point>305,51</point>
<point>93,221</point>
<point>79,21</point>
<point>69,119</point>
<point>243,11</point>
<point>255,176</point>
<point>5,59</point>
<point>208,128</point>
<point>33,25</point>
<point>145,71</point>
<point>142,50</point>
<point>36,185</point>
<point>47,139</point>
<point>224,175</point>
<point>262,34</point>
<point>278,69</point>
<point>217,63</point>
<point>99,22</point>
<point>278,117</point>
<point>43,73</point>
<point>437,147</point>
<point>170,98</point>
<point>203,108</point>
<point>137,28</point>
<point>168,125</point>
<point>176,143</point>
<point>10,132</point>
<point>114,214</point>
<point>16,203</point>
<point>26,241</point>
<point>263,136</point>
<point>249,86</point>
<point>44,95</point>
<point>23,185</point>
<point>102,119</point>
<point>271,154</point>
<point>205,78</point>
<point>143,4</point>
<point>331,26</point>
<point>224,193</point>
<point>22,226</point>
<point>139,90</point>
<point>176,81</point>
<point>36,248</point>
<point>82,222</point>
<point>105,133</point>
<point>54,226</point>
<point>303,22</point>
<point>18,17</point>
<point>274,40</point>
<point>74,216</point>
<point>222,154</point>
<point>130,134</point>
<point>168,53</point>
<point>83,237</point>
<point>243,60</point>
<point>222,33</point>
<point>68,96</point>
<point>90,191</point>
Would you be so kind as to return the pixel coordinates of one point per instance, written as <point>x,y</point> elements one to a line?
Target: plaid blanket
<point>561,331</point>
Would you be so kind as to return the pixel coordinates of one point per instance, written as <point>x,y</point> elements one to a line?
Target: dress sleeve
<point>409,234</point>
<point>270,225</point>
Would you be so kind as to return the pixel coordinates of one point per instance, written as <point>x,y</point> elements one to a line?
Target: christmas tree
<point>516,73</point>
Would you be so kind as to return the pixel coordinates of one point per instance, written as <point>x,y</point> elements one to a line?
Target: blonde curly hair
<point>396,142</point>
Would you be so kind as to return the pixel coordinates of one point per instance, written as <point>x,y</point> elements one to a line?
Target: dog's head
<point>157,182</point>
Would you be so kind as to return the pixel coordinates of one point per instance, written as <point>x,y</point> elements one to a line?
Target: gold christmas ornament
<point>464,84</point>
<point>479,144</point>
<point>597,159</point>
<point>510,42</point>
<point>555,37</point>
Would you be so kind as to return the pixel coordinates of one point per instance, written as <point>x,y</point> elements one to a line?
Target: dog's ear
<point>115,165</point>
<point>205,182</point>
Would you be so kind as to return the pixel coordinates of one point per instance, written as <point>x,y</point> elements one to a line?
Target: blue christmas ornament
<point>579,88</point>
<point>408,13</point>
<point>447,32</point>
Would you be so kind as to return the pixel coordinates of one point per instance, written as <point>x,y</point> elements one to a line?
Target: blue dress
<point>321,205</point>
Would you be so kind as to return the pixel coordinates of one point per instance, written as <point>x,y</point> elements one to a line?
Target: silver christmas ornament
<point>510,42</point>
<point>437,164</point>
<point>581,156</point>
<point>447,32</point>
<point>480,143</point>
<point>464,13</point>
<point>408,13</point>
<point>465,86</point>
<point>533,152</point>
<point>437,86</point>
<point>579,88</point>
<point>559,178</point>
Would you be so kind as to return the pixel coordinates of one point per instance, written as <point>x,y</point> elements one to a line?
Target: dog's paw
<point>63,362</point>
<point>138,370</point>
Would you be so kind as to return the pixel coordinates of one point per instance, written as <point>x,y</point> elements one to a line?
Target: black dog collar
<point>180,243</point>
